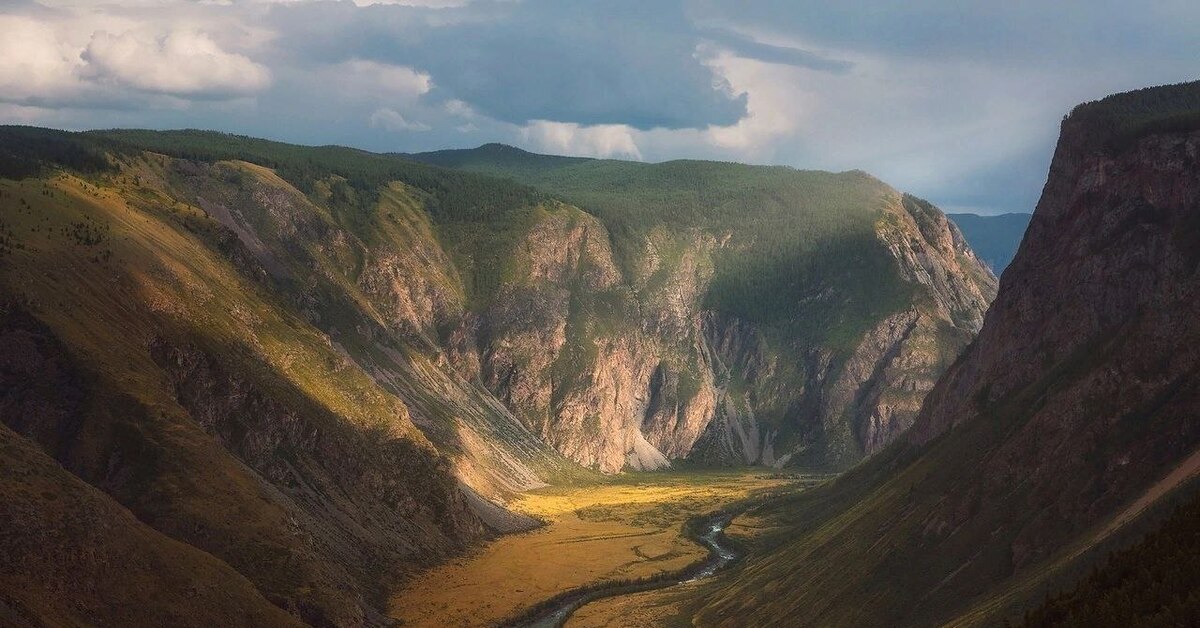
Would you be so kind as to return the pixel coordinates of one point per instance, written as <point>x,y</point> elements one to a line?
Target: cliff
<point>723,313</point>
<point>1057,433</point>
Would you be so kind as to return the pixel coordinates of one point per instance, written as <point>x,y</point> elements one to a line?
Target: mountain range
<point>273,382</point>
<point>326,368</point>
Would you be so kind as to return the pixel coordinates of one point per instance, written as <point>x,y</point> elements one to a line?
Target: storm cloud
<point>956,103</point>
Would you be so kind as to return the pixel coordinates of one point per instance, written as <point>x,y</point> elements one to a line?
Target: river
<point>720,556</point>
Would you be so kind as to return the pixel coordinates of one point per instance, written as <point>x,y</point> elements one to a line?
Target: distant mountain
<point>1067,428</point>
<point>993,238</point>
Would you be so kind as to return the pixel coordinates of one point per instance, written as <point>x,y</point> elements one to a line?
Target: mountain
<point>1065,430</point>
<point>782,316</point>
<point>993,238</point>
<point>243,368</point>
<point>302,374</point>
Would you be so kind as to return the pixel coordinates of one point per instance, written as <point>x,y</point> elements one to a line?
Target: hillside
<point>1152,583</point>
<point>796,316</point>
<point>1070,417</point>
<point>993,238</point>
<point>226,357</point>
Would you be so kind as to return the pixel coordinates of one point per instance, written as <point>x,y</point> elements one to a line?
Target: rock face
<point>615,375</point>
<point>1072,412</point>
<point>1099,312</point>
<point>1106,266</point>
<point>606,339</point>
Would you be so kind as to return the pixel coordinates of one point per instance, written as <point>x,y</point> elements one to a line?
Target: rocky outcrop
<point>631,373</point>
<point>1106,264</point>
<point>1094,335</point>
<point>562,346</point>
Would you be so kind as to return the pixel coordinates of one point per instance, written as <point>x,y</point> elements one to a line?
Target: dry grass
<point>629,528</point>
<point>662,607</point>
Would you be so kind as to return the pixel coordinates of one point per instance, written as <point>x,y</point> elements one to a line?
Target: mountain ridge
<point>666,203</point>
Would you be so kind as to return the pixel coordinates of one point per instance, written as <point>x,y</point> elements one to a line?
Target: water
<point>720,556</point>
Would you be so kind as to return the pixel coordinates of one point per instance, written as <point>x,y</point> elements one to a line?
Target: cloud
<point>180,63</point>
<point>614,62</point>
<point>568,138</point>
<point>435,4</point>
<point>391,120</point>
<point>78,57</point>
<point>359,79</point>
<point>35,65</point>
<point>957,104</point>
<point>749,48</point>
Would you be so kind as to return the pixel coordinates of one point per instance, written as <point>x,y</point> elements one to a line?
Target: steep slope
<point>993,238</point>
<point>778,315</point>
<point>62,539</point>
<point>1072,413</point>
<point>1152,583</point>
<point>191,338</point>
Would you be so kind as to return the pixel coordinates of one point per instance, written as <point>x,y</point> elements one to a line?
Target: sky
<point>957,102</point>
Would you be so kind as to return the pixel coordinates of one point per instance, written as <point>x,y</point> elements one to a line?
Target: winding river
<point>720,555</point>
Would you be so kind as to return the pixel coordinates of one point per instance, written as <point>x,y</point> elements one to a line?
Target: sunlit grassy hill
<point>226,366</point>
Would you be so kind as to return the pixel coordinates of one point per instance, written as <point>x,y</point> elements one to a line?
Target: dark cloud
<point>615,62</point>
<point>956,102</point>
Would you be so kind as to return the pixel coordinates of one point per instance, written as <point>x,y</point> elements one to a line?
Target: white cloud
<point>461,109</point>
<point>34,63</point>
<point>391,120</point>
<point>181,62</point>
<point>601,140</point>
<point>358,78</point>
<point>777,104</point>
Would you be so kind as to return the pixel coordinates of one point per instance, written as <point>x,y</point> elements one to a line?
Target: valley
<point>626,528</point>
<point>351,389</point>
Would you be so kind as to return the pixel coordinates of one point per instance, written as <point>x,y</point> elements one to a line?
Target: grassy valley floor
<point>628,527</point>
<point>670,606</point>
